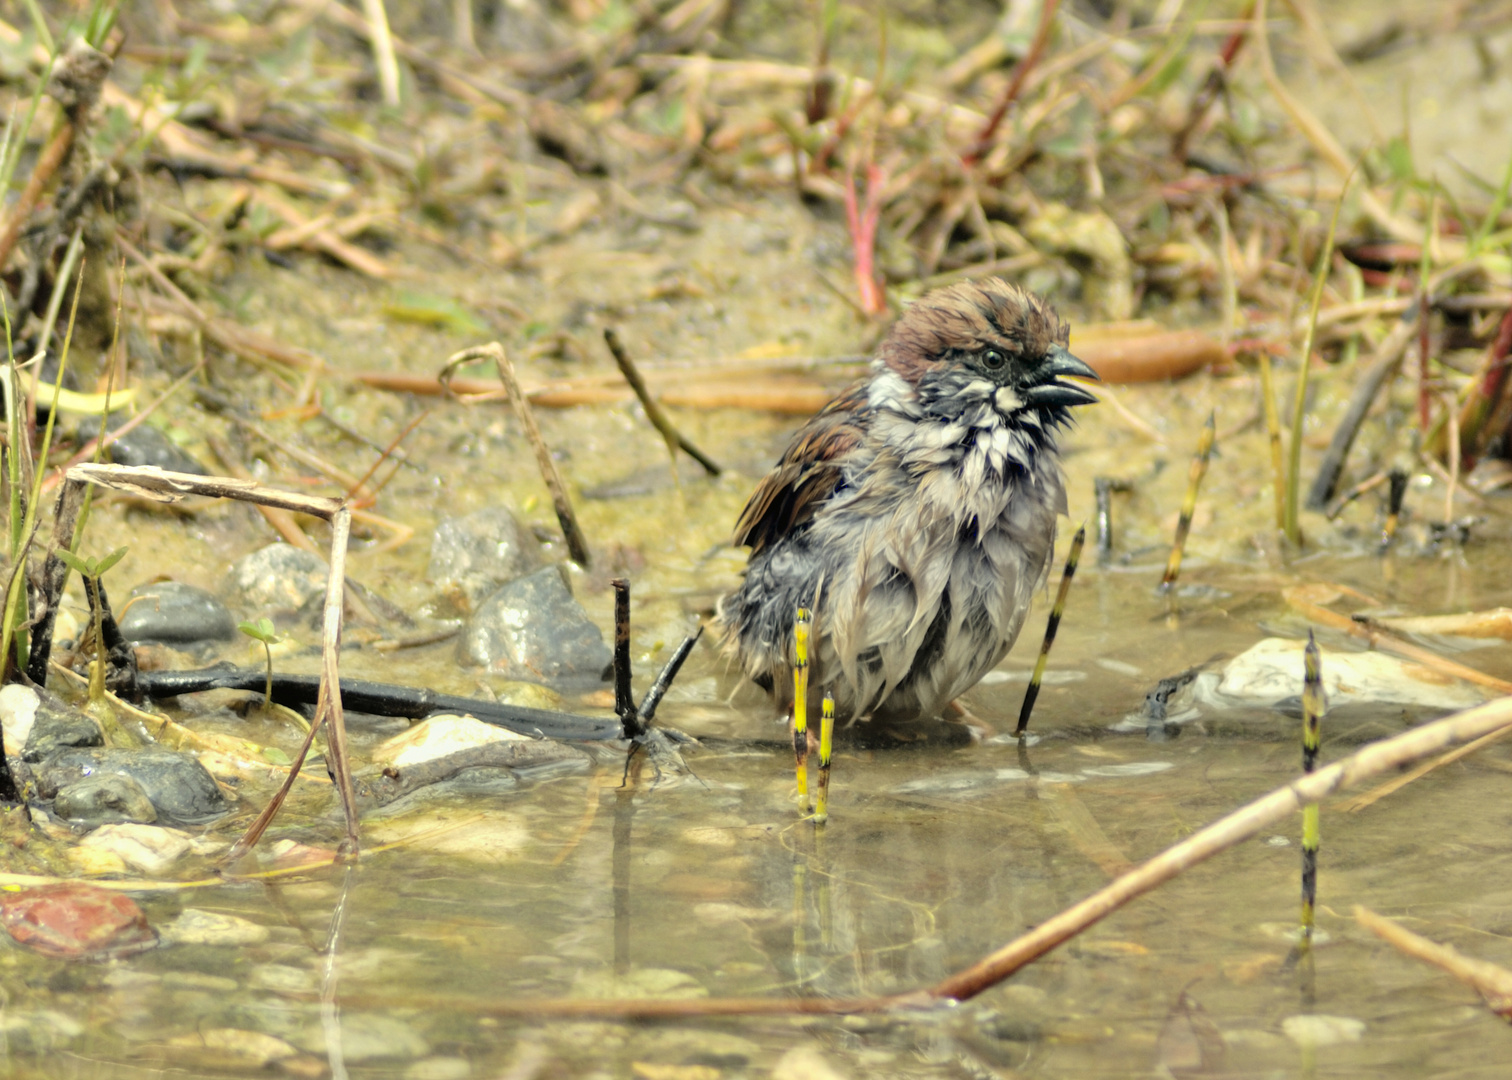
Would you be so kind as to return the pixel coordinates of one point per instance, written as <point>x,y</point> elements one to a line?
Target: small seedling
<point>262,630</point>
<point>91,570</point>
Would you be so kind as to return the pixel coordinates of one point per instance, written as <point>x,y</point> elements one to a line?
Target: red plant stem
<point>1020,74</point>
<point>862,223</point>
<point>1501,349</point>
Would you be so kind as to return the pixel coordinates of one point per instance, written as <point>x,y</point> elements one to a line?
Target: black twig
<point>659,419</point>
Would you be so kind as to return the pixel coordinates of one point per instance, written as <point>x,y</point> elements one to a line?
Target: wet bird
<point>915,514</point>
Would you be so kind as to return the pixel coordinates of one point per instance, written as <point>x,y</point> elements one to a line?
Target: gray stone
<point>278,578</point>
<point>147,445</point>
<point>181,790</point>
<point>58,726</point>
<point>103,799</point>
<point>533,629</point>
<point>472,556</point>
<point>175,613</point>
<point>367,1037</point>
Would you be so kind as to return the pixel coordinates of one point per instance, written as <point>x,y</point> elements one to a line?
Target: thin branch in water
<point>659,420</point>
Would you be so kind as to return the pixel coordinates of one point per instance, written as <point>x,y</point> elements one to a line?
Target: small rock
<point>104,799</point>
<point>174,612</point>
<point>472,556</point>
<point>1316,1029</point>
<point>148,849</point>
<point>76,921</point>
<point>1266,673</point>
<point>278,578</point>
<point>235,1047</point>
<point>639,983</point>
<point>438,736</point>
<point>533,629</point>
<point>57,726</point>
<point>281,978</point>
<point>367,1037</point>
<point>147,445</point>
<point>805,1063</point>
<point>37,1032</point>
<point>439,1068</point>
<point>181,790</point>
<point>197,927</point>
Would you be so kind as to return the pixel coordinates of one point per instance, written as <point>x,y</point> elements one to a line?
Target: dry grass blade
<point>154,483</point>
<point>577,545</point>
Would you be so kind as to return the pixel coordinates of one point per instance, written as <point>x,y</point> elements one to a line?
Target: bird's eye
<point>993,359</point>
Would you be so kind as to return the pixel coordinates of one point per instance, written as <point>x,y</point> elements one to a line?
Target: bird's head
<point>987,339</point>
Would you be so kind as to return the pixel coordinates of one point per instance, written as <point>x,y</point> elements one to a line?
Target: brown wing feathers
<point>808,473</point>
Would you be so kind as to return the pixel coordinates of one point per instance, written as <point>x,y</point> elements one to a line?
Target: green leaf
<point>432,310</point>
<point>261,630</point>
<point>110,560</point>
<point>274,756</point>
<point>73,562</point>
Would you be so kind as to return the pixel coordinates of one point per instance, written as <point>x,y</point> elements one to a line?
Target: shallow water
<point>571,887</point>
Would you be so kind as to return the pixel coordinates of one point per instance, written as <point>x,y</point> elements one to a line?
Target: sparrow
<point>915,514</point>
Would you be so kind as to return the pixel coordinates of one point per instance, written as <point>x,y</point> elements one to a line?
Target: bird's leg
<point>826,744</point>
<point>800,704</point>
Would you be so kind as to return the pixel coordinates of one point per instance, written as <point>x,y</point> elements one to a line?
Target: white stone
<point>252,1047</point>
<point>1316,1029</point>
<point>18,712</point>
<point>805,1063</point>
<point>439,736</point>
<point>1271,671</point>
<point>147,849</point>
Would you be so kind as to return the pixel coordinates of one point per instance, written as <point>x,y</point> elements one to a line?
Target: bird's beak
<point>1059,361</point>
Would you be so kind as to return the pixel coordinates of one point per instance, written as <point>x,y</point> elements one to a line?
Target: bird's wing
<point>810,471</point>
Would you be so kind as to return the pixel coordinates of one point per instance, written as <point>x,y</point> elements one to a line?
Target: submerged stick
<point>1312,715</point>
<point>577,546</point>
<point>1189,503</point>
<point>801,626</point>
<point>1492,981</point>
<point>1050,628</point>
<point>826,746</point>
<point>659,420</point>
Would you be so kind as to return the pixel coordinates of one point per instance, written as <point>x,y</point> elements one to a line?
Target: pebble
<point>439,1068</point>
<point>37,1032</point>
<point>103,800</point>
<point>176,613</point>
<point>805,1063</point>
<point>236,1047</point>
<point>197,927</point>
<point>181,790</point>
<point>147,445</point>
<point>18,712</point>
<point>1316,1029</point>
<point>278,579</point>
<point>533,629</point>
<point>76,921</point>
<point>472,556</point>
<point>1266,673</point>
<point>281,978</point>
<point>439,736</point>
<point>639,983</point>
<point>367,1037</point>
<point>148,849</point>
